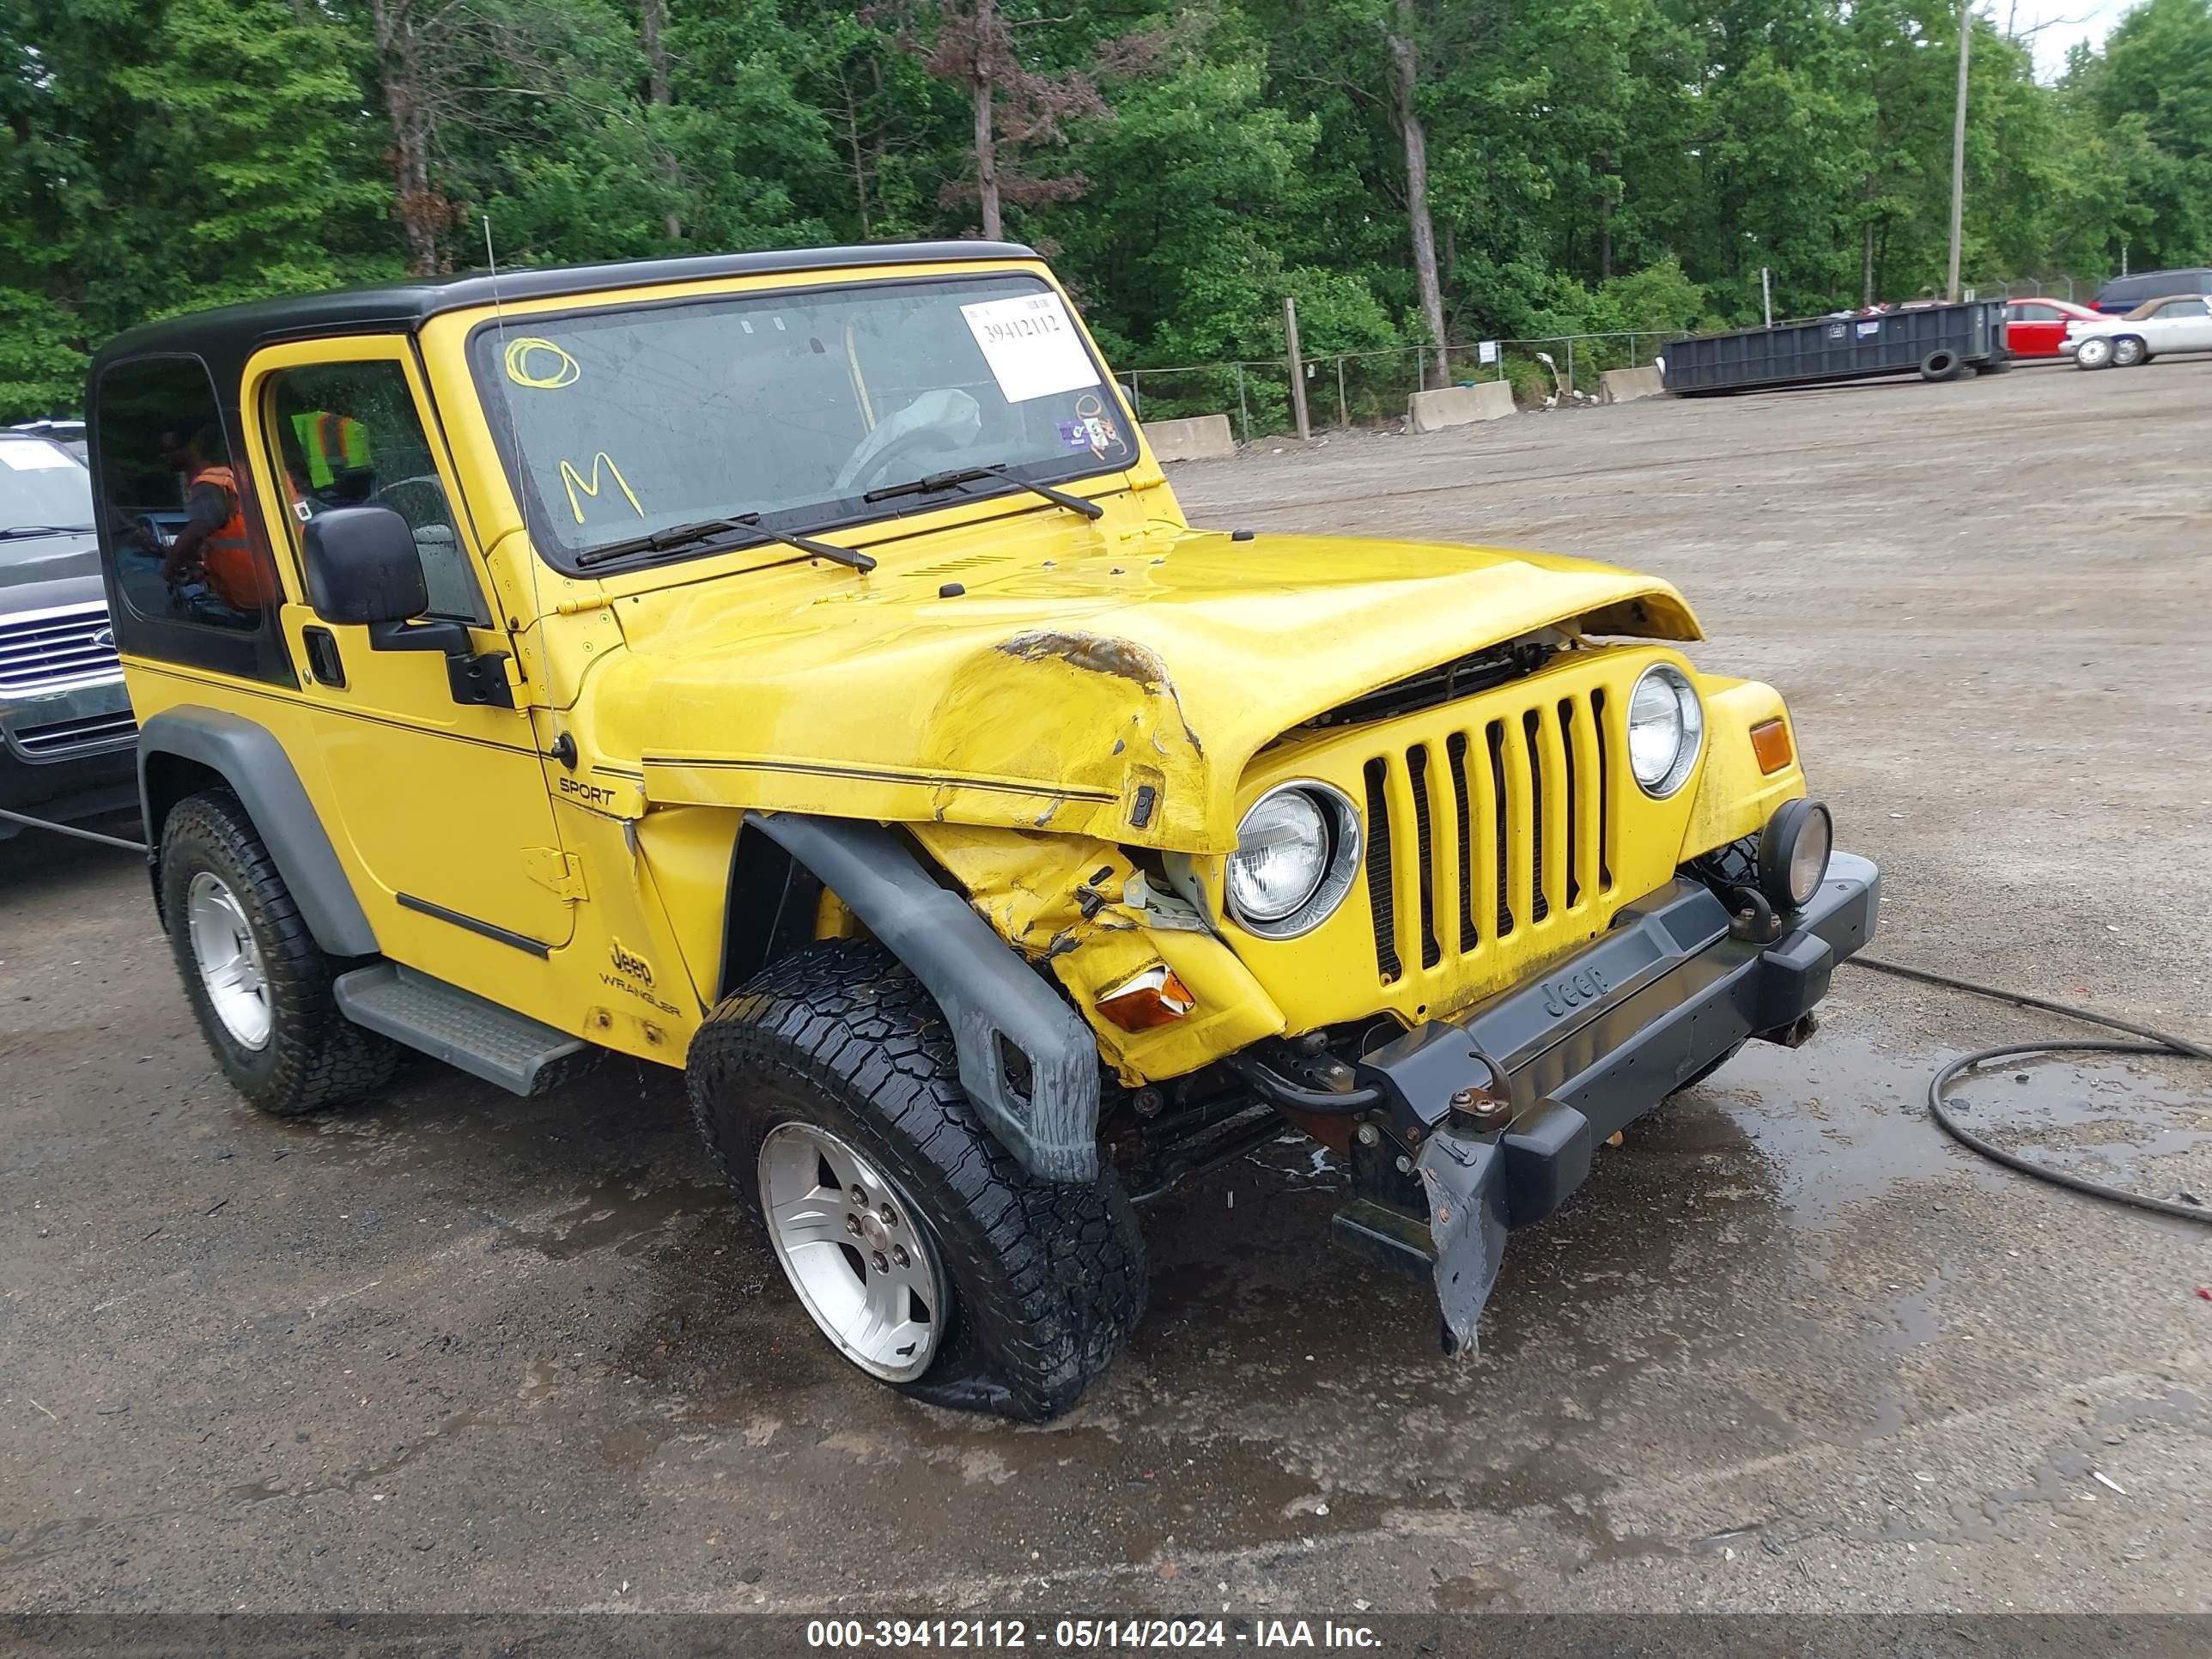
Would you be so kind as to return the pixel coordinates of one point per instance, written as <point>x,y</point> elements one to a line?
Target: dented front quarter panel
<point>1067,903</point>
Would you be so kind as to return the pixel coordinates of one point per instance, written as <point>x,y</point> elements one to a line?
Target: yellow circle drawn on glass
<point>520,369</point>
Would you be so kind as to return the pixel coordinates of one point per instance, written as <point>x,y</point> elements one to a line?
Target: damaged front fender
<point>1082,909</point>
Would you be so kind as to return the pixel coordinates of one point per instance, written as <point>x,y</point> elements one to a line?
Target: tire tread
<point>321,1057</point>
<point>1050,1277</point>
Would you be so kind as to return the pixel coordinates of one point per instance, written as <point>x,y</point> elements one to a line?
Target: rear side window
<point>187,556</point>
<point>2128,291</point>
<point>2032,314</point>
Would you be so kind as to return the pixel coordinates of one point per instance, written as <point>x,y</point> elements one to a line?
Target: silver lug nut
<point>888,1216</point>
<point>860,1196</point>
<point>899,1255</point>
<point>882,1265</point>
<point>853,1226</point>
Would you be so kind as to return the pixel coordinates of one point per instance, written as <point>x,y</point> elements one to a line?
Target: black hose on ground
<point>72,831</point>
<point>2155,1042</point>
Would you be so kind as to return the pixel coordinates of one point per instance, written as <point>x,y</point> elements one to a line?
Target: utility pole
<point>1296,366</point>
<point>1767,294</point>
<point>1959,151</point>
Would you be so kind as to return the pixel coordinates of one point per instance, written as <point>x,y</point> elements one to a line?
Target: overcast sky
<point>2067,20</point>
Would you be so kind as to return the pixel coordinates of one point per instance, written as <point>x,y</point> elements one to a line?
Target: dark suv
<point>2123,293</point>
<point>66,727</point>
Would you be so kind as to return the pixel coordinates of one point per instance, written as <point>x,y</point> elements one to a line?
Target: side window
<point>348,434</point>
<point>183,548</point>
<point>2035,314</point>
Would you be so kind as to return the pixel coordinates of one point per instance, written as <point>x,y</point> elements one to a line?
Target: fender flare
<point>249,759</point>
<point>1027,1060</point>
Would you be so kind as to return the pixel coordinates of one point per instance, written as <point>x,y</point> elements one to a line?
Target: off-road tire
<point>1047,1278</point>
<point>315,1056</point>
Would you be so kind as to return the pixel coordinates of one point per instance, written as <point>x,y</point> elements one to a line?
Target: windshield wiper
<point>683,535</point>
<point>17,533</point>
<point>936,481</point>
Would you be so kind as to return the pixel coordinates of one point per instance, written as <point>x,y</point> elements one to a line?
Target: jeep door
<point>443,799</point>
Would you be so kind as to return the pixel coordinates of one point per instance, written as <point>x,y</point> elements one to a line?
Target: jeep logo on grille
<point>1570,991</point>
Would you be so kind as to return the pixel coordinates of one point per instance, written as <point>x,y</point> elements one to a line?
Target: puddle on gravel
<point>630,1215</point>
<point>345,1480</point>
<point>1694,1294</point>
<point>1278,1390</point>
<point>2127,1121</point>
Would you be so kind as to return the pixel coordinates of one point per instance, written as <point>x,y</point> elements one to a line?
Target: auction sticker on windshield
<point>1031,345</point>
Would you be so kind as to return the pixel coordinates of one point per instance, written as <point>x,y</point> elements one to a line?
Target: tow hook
<point>1753,920</point>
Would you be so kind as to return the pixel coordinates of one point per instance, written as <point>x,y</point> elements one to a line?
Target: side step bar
<point>457,1026</point>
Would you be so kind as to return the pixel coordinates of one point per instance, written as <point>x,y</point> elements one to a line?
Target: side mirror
<point>362,566</point>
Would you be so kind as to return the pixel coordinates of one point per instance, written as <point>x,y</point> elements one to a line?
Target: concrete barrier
<point>1458,405</point>
<point>1625,386</point>
<point>1199,438</point>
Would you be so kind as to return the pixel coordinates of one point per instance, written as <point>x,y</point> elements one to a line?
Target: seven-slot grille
<point>50,649</point>
<point>1494,832</point>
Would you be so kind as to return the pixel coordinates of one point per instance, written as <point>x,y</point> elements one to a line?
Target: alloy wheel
<point>229,961</point>
<point>855,1251</point>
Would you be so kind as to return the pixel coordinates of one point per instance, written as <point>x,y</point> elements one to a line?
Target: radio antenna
<point>522,483</point>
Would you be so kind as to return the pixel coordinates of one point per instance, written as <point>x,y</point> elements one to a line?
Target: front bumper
<point>67,755</point>
<point>1591,1044</point>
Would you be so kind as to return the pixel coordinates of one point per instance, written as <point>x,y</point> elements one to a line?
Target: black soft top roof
<point>228,335</point>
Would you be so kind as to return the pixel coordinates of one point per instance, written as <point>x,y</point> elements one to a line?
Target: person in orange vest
<point>332,446</point>
<point>214,544</point>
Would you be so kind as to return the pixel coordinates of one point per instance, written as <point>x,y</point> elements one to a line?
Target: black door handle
<point>323,660</point>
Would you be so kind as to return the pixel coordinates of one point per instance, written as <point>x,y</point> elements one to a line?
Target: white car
<point>2180,322</point>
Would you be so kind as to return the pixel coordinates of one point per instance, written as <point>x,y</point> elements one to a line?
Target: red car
<point>2038,327</point>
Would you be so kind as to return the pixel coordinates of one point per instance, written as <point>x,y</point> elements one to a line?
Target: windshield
<point>42,488</point>
<point>793,405</point>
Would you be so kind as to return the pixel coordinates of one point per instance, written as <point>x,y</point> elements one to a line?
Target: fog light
<point>1148,1000</point>
<point>1793,853</point>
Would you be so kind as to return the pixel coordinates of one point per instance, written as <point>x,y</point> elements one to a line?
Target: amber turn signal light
<point>1769,741</point>
<point>1149,1000</point>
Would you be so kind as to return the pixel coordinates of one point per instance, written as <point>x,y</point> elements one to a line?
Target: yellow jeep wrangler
<point>795,668</point>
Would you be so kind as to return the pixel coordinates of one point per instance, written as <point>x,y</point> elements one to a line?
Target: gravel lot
<point>1790,1349</point>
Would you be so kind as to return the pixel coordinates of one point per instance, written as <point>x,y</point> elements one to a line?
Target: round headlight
<point>1297,852</point>
<point>1793,853</point>
<point>1666,726</point>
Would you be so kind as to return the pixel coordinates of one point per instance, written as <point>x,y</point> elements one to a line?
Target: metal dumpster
<point>1935,342</point>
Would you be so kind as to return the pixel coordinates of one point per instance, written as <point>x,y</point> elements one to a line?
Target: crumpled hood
<point>1066,678</point>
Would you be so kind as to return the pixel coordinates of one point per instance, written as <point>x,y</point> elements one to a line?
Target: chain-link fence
<point>2028,288</point>
<point>1347,390</point>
